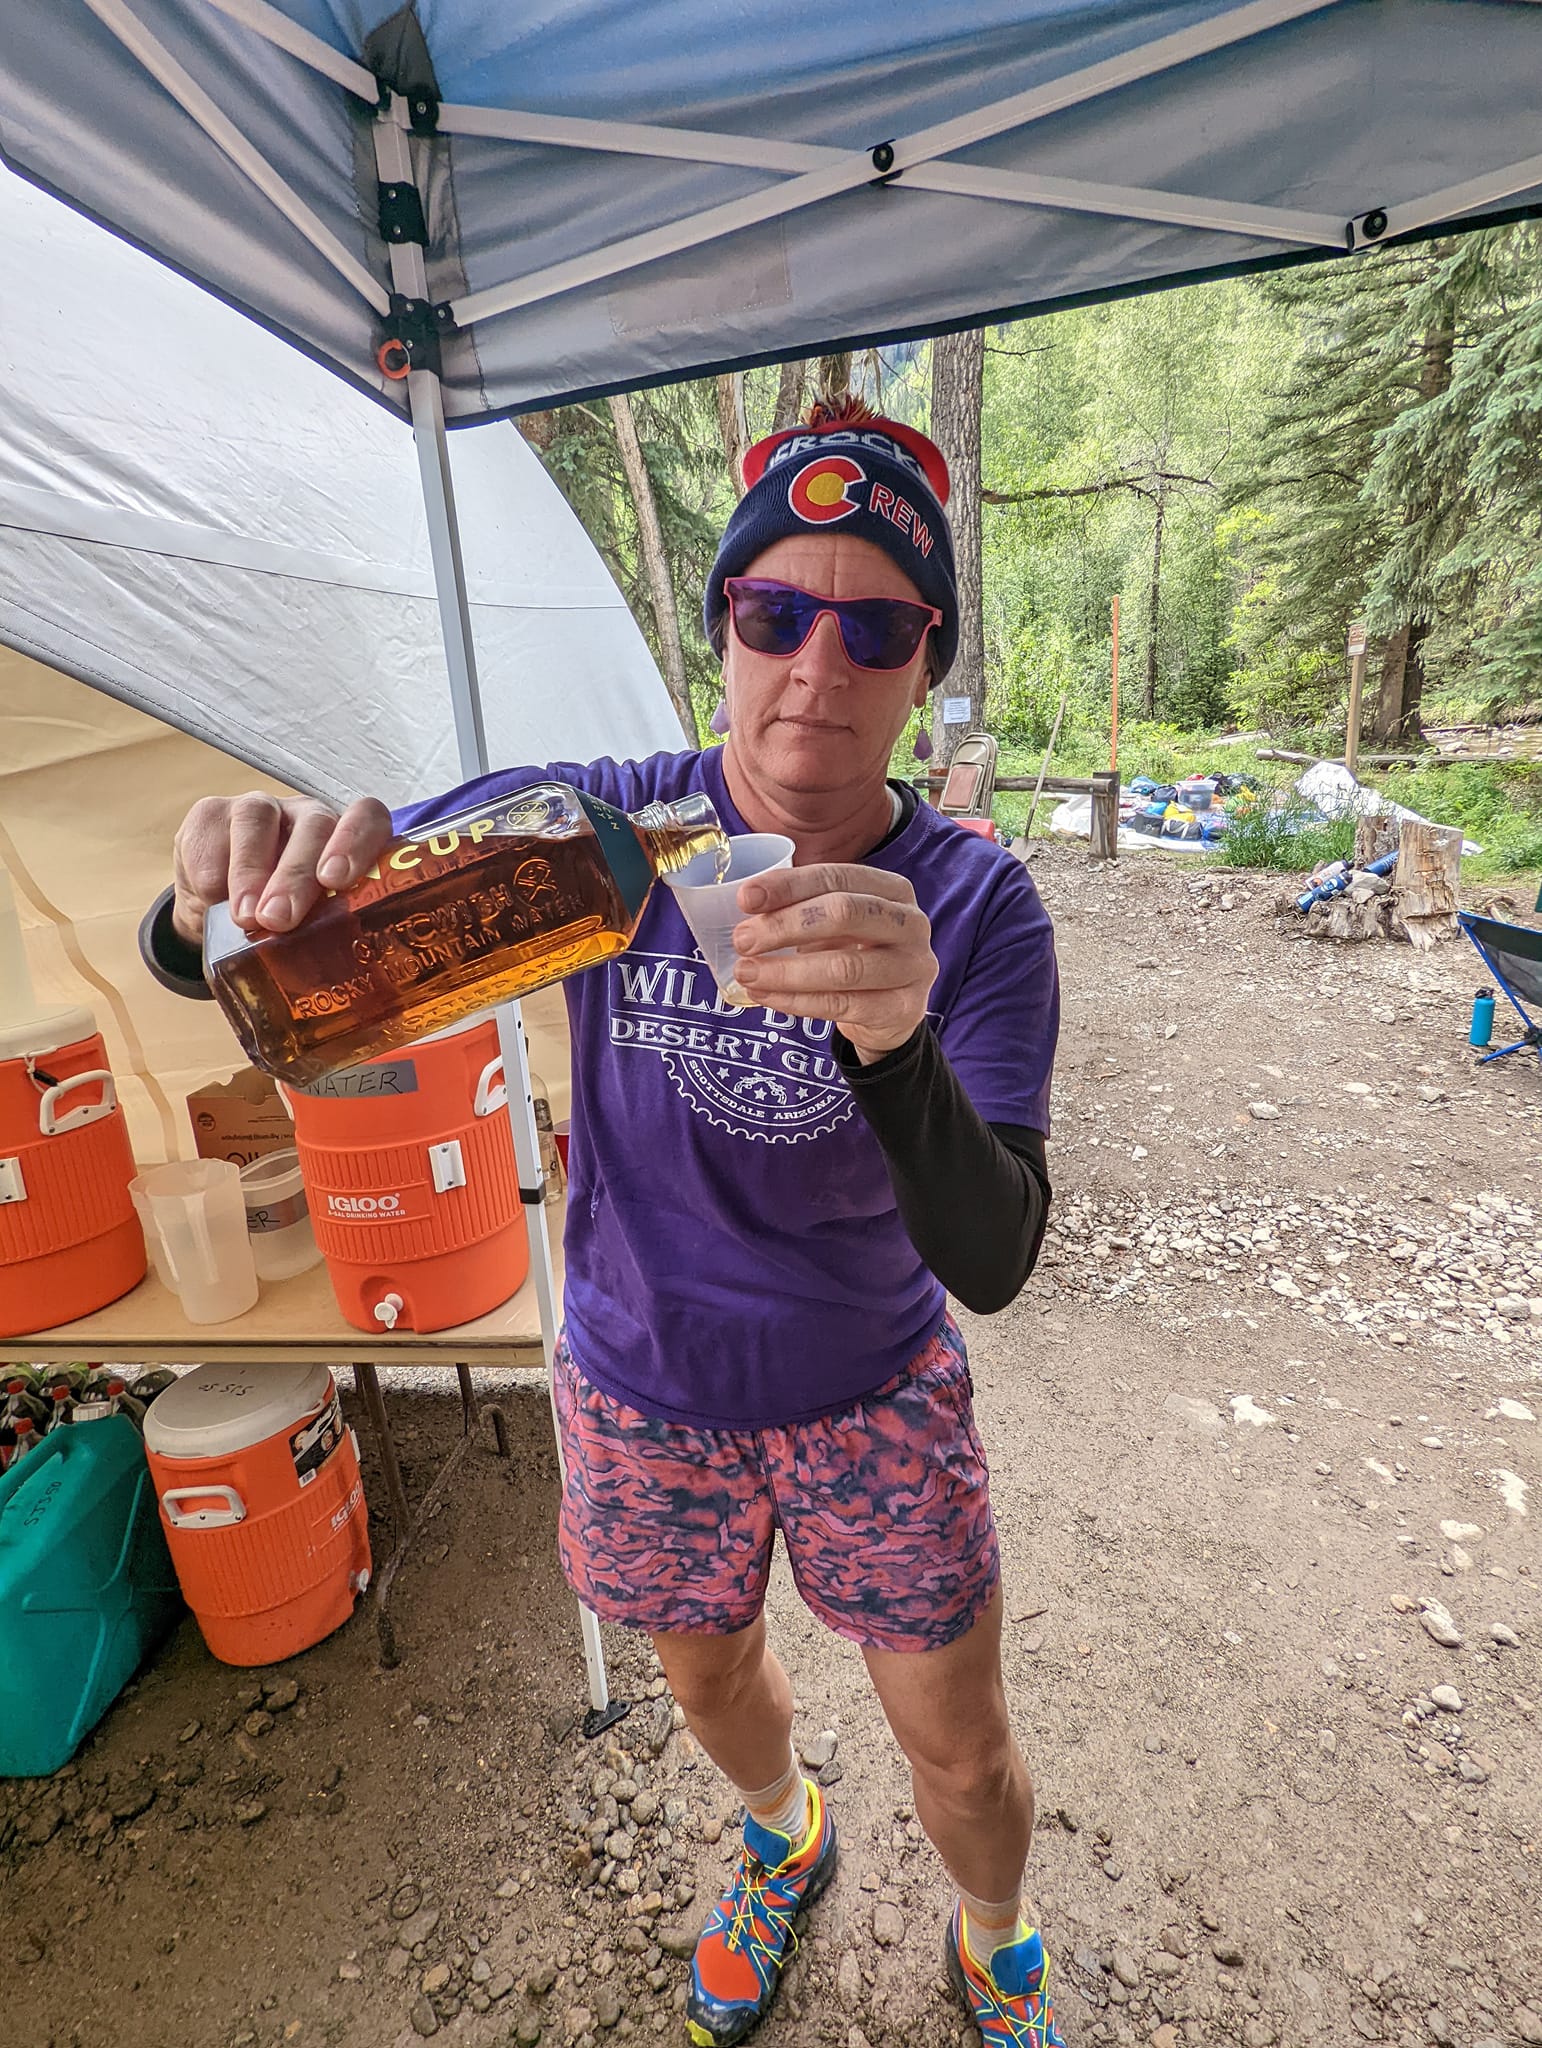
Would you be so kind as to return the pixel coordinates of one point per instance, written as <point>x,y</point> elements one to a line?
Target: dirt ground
<point>1244,1425</point>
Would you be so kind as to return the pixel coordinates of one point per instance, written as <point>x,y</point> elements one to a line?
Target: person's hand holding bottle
<point>270,857</point>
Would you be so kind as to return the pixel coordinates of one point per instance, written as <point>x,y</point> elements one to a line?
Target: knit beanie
<point>846,467</point>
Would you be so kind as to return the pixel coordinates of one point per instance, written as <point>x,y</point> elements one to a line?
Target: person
<point>768,1204</point>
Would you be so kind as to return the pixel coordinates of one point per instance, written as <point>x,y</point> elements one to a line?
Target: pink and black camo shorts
<point>884,1507</point>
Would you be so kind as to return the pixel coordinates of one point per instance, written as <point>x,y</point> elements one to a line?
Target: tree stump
<point>1374,836</point>
<point>1426,882</point>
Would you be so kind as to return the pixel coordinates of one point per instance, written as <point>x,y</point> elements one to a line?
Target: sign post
<point>1357,644</point>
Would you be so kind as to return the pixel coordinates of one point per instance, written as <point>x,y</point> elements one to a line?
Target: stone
<point>189,1731</point>
<point>1125,1968</point>
<point>1227,1953</point>
<point>676,1941</point>
<point>1163,1966</point>
<point>1528,2025</point>
<point>543,1975</point>
<point>645,1807</point>
<point>436,1979</point>
<point>560,1723</point>
<point>1438,2028</point>
<point>527,2031</point>
<point>888,1925</point>
<point>848,1981</point>
<point>419,1928</point>
<point>1500,1632</point>
<point>250,1811</point>
<point>1166,2036</point>
<point>1259,2033</point>
<point>1447,1698</point>
<point>279,1694</point>
<point>607,2008</point>
<point>481,1971</point>
<point>1263,1112</point>
<point>350,1972</point>
<point>1438,1625</point>
<point>425,2020</point>
<point>406,1901</point>
<point>820,1750</point>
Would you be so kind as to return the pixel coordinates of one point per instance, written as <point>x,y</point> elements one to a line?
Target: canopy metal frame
<point>800,175</point>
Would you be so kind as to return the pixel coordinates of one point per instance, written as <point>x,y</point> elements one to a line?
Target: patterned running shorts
<point>884,1507</point>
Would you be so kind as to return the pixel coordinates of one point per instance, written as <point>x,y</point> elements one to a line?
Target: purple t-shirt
<point>735,1255</point>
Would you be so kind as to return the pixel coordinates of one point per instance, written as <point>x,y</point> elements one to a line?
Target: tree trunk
<point>834,377</point>
<point>1153,611</point>
<point>789,396</point>
<point>958,371</point>
<point>732,427</point>
<point>1402,667</point>
<point>661,588</point>
<point>1426,883</point>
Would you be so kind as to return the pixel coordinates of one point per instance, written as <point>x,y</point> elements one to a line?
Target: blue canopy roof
<point>609,193</point>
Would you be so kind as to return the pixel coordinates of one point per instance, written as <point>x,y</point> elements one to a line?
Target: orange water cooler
<point>257,1476</point>
<point>69,1239</point>
<point>413,1190</point>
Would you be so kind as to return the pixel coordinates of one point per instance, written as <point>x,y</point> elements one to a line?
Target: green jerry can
<point>87,1588</point>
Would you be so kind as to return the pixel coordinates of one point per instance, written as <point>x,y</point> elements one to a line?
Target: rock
<point>1163,1966</point>
<point>1438,2028</point>
<point>660,1725</point>
<point>481,1971</point>
<point>1438,1625</point>
<point>1447,1698</point>
<point>645,1806</point>
<point>350,1972</point>
<point>1166,2036</point>
<point>500,1986</point>
<point>1461,1532</point>
<point>436,1979</point>
<point>1227,1953</point>
<point>258,1723</point>
<point>1528,2025</point>
<point>279,1694</point>
<point>425,2020</point>
<point>607,2008</point>
<point>405,1901</point>
<point>419,1928</point>
<point>189,1731</point>
<point>1262,1111</point>
<point>674,1941</point>
<point>888,1925</point>
<point>560,1723</point>
<point>619,1845</point>
<point>250,1811</point>
<point>1125,1968</point>
<point>527,2031</point>
<point>831,1773</point>
<point>44,1819</point>
<point>1511,1411</point>
<point>1259,2033</point>
<point>1500,1632</point>
<point>848,1981</point>
<point>817,1753</point>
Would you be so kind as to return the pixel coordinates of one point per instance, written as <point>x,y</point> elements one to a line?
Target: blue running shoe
<point>1009,2000</point>
<point>749,1933</point>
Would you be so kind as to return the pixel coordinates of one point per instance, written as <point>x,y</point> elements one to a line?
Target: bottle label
<point>630,867</point>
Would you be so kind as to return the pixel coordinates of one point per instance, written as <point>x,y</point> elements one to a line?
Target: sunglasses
<point>876,632</point>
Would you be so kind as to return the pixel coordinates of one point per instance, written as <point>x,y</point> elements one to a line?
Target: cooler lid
<point>218,1409</point>
<point>45,1031</point>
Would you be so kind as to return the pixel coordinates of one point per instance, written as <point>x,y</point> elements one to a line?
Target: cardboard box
<point>240,1119</point>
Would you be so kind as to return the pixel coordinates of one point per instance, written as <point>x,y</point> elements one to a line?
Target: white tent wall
<point>209,527</point>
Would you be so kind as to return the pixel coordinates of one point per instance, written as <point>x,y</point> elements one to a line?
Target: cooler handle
<point>51,1124</point>
<point>203,1518</point>
<point>491,1094</point>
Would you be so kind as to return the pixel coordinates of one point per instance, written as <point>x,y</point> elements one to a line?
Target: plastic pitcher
<point>195,1221</point>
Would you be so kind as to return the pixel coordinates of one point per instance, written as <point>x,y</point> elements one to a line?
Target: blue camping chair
<point>1513,955</point>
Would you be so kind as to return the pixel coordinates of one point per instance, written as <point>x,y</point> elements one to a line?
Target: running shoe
<point>1008,2000</point>
<point>749,1932</point>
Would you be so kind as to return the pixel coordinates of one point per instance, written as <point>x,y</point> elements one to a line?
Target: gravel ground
<point>1265,1453</point>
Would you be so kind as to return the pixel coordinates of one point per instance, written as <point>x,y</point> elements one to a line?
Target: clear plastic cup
<point>711,908</point>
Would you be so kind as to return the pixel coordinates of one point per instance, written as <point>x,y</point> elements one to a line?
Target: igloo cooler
<point>257,1476</point>
<point>414,1193</point>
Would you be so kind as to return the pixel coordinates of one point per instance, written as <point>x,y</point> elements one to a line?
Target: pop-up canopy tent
<point>468,210</point>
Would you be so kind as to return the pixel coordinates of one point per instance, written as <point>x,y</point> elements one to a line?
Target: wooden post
<point>1105,815</point>
<point>1427,881</point>
<point>1357,641</point>
<point>1113,734</point>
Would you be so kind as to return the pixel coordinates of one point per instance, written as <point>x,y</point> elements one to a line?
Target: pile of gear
<point>1198,809</point>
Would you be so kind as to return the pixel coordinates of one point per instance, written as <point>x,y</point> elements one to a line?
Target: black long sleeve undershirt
<point>974,1197</point>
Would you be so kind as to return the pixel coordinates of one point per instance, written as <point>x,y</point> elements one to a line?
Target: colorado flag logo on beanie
<point>821,491</point>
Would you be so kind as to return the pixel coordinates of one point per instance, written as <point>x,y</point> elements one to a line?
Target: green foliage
<point>1283,833</point>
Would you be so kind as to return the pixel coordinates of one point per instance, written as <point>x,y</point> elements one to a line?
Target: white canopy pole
<point>409,274</point>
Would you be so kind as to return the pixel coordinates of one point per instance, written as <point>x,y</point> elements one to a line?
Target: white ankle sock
<point>783,1805</point>
<point>991,1924</point>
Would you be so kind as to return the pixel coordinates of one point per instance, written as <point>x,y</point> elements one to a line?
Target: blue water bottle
<point>1481,1029</point>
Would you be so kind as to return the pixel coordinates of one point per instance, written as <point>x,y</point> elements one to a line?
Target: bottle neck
<point>675,833</point>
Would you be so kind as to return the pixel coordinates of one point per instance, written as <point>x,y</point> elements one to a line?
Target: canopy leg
<point>428,429</point>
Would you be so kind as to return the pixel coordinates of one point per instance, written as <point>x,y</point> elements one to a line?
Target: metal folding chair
<point>1512,953</point>
<point>971,783</point>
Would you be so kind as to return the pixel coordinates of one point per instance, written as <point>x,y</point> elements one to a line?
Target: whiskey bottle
<point>481,906</point>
